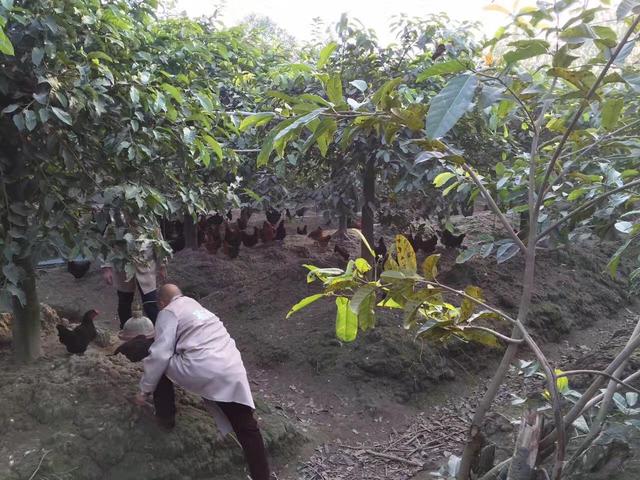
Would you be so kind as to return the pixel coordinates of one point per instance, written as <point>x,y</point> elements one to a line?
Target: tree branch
<point>502,337</point>
<point>598,372</point>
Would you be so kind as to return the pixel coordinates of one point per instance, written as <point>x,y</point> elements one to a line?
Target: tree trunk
<point>26,318</point>
<point>369,199</point>
<point>190,233</point>
<point>524,458</point>
<point>342,227</point>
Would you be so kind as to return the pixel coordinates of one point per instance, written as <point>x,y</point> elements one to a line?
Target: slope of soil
<point>360,393</point>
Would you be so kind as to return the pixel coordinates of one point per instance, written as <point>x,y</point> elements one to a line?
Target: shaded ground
<point>373,391</point>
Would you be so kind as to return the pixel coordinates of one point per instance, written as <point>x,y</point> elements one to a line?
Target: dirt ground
<point>384,393</point>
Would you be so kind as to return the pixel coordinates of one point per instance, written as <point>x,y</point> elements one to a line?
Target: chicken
<point>450,240</point>
<point>273,216</point>
<point>316,234</point>
<point>268,233</point>
<point>428,246</point>
<point>302,231</point>
<point>381,250</point>
<point>300,212</point>
<point>232,241</point>
<point>324,241</point>
<point>78,339</point>
<point>78,268</point>
<point>135,349</point>
<point>287,214</point>
<point>213,240</point>
<point>439,51</point>
<point>341,251</point>
<point>229,215</point>
<point>250,240</point>
<point>355,223</point>
<point>216,219</point>
<point>281,231</point>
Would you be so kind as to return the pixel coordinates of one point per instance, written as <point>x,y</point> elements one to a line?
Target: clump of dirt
<point>68,417</point>
<point>48,320</point>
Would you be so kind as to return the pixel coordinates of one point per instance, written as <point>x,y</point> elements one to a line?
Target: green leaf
<point>430,267</point>
<point>625,7</point>
<point>385,90</point>
<point>526,49</point>
<point>188,135</point>
<point>298,123</point>
<point>448,106</point>
<point>611,112</point>
<point>5,44</point>
<point>362,265</point>
<point>361,295</point>
<point>325,53</point>
<point>442,179</point>
<point>480,336</point>
<point>215,146</point>
<point>62,115</point>
<point>173,91</point>
<point>466,255</point>
<point>7,4</point>
<point>562,58</point>
<point>334,89</point>
<point>18,121</point>
<point>257,120</point>
<point>205,101</point>
<point>359,84</point>
<point>99,55</point>
<point>441,68</point>
<point>406,255</point>
<point>506,251</point>
<point>346,321</point>
<point>134,94</point>
<point>30,119</point>
<point>37,54</point>
<point>10,108</point>
<point>365,242</point>
<point>304,302</point>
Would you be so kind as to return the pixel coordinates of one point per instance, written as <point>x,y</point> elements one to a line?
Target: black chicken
<point>273,216</point>
<point>450,240</point>
<point>216,219</point>
<point>288,214</point>
<point>342,252</point>
<point>381,250</point>
<point>281,231</point>
<point>78,268</point>
<point>135,349</point>
<point>250,240</point>
<point>78,339</point>
<point>302,231</point>
<point>300,212</point>
<point>230,215</point>
<point>439,51</point>
<point>428,246</point>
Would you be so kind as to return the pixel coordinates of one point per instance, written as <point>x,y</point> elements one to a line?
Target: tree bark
<point>369,198</point>
<point>26,318</point>
<point>342,226</point>
<point>523,462</point>
<point>190,233</point>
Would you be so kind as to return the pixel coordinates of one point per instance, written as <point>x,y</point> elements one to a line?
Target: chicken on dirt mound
<point>78,339</point>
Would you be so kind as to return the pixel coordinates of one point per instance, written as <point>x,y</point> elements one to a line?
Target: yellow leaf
<point>406,255</point>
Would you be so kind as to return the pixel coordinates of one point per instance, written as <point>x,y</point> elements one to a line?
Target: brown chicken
<point>250,240</point>
<point>439,51</point>
<point>213,240</point>
<point>341,251</point>
<point>135,349</point>
<point>78,339</point>
<point>324,241</point>
<point>281,231</point>
<point>315,234</point>
<point>232,241</point>
<point>302,231</point>
<point>268,233</point>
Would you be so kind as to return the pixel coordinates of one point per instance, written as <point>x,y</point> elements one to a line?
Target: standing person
<point>146,268</point>
<point>193,349</point>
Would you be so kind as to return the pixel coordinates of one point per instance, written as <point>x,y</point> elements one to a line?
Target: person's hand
<point>107,275</point>
<point>162,273</point>
<point>140,399</point>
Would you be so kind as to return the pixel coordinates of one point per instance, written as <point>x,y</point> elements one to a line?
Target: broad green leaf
<point>173,91</point>
<point>625,7</point>
<point>99,55</point>
<point>468,306</point>
<point>205,101</point>
<point>562,58</point>
<point>480,336</point>
<point>188,135</point>
<point>385,90</point>
<point>5,44</point>
<point>562,383</point>
<point>365,242</point>
<point>624,226</point>
<point>134,94</point>
<point>430,267</point>
<point>360,296</point>
<point>255,120</point>
<point>267,144</point>
<point>362,265</point>
<point>406,255</point>
<point>304,302</point>
<point>359,84</point>
<point>448,106</point>
<point>62,115</point>
<point>442,179</point>
<point>614,262</point>
<point>611,112</point>
<point>18,121</point>
<point>325,53</point>
<point>37,54</point>
<point>578,34</point>
<point>298,123</point>
<point>526,49</point>
<point>506,251</point>
<point>346,321</point>
<point>466,255</point>
<point>215,146</point>
<point>321,135</point>
<point>392,275</point>
<point>334,89</point>
<point>10,108</point>
<point>441,68</point>
<point>30,119</point>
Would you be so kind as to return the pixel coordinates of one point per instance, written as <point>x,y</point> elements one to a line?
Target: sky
<point>295,16</point>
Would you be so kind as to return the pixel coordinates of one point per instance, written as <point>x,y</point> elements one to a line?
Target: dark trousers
<point>246,429</point>
<point>149,304</point>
